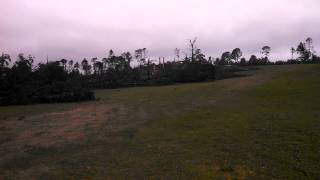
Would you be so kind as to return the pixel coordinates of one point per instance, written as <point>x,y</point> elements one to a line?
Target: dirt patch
<point>52,129</point>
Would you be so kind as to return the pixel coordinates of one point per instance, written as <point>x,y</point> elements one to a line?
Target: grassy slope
<point>271,131</point>
<point>264,126</point>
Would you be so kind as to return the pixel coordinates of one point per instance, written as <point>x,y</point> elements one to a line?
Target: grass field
<point>264,126</point>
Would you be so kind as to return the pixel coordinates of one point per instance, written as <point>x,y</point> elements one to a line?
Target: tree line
<point>22,82</point>
<point>304,53</point>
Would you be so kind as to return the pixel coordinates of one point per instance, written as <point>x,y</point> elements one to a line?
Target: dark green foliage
<point>253,60</point>
<point>64,81</point>
<point>280,63</point>
<point>315,59</point>
<point>67,81</point>
<point>62,91</point>
<point>194,71</point>
<point>225,58</point>
<point>49,83</point>
<point>266,51</point>
<point>120,74</point>
<point>303,52</point>
<point>4,60</point>
<point>243,62</point>
<point>258,61</point>
<point>117,71</point>
<point>236,54</point>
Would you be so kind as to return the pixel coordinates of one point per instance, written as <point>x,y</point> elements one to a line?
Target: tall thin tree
<point>177,53</point>
<point>293,51</point>
<point>192,47</point>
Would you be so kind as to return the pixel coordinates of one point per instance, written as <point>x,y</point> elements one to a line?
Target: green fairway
<point>264,126</point>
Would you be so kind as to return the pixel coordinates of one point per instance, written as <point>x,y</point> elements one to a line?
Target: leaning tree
<point>266,51</point>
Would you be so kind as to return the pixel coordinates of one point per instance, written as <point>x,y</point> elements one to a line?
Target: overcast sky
<point>77,29</point>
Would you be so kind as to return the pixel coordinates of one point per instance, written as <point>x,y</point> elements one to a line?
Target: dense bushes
<point>62,91</point>
<point>182,72</point>
<point>55,82</point>
<point>195,71</point>
<point>48,83</point>
<point>154,74</point>
<point>64,81</point>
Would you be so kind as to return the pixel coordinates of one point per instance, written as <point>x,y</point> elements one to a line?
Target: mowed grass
<point>265,126</point>
<point>269,132</point>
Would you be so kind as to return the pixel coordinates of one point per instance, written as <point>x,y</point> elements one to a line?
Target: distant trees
<point>64,62</point>
<point>217,62</point>
<point>98,67</point>
<point>192,47</point>
<point>76,67</point>
<point>128,58</point>
<point>5,59</point>
<point>309,47</point>
<point>225,58</point>
<point>253,60</point>
<point>111,53</point>
<point>293,51</point>
<point>93,60</point>
<point>63,80</point>
<point>236,54</point>
<point>305,50</point>
<point>233,58</point>
<point>140,55</point>
<point>243,62</point>
<point>122,62</point>
<point>70,64</point>
<point>266,51</point>
<point>177,54</point>
<point>302,51</point>
<point>47,83</point>
<point>311,50</point>
<point>86,67</point>
<point>199,56</point>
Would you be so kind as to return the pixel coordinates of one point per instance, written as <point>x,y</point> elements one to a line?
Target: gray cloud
<point>76,29</point>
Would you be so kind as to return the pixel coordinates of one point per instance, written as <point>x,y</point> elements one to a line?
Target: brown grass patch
<point>52,129</point>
